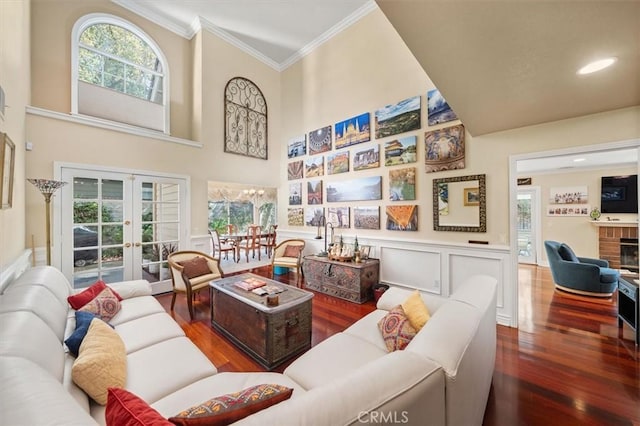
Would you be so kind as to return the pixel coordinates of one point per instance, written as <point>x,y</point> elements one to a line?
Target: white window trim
<point>104,18</point>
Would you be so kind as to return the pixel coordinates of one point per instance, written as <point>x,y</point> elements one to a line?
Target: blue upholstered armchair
<point>581,275</point>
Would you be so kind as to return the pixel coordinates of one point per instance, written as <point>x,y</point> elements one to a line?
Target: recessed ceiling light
<point>577,160</point>
<point>597,65</point>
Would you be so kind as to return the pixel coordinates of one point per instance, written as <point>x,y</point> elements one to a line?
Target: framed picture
<point>363,189</point>
<point>338,163</point>
<point>352,131</point>
<point>400,151</point>
<point>366,217</point>
<point>368,158</point>
<point>297,146</point>
<point>295,217</point>
<point>402,184</point>
<point>471,196</point>
<point>314,166</point>
<point>294,170</point>
<point>444,149</point>
<point>320,140</point>
<point>402,218</point>
<point>338,216</point>
<point>314,192</point>
<point>314,216</point>
<point>295,193</point>
<point>398,118</point>
<point>438,109</point>
<point>7,165</point>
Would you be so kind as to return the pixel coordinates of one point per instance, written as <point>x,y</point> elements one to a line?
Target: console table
<point>629,305</point>
<point>347,280</point>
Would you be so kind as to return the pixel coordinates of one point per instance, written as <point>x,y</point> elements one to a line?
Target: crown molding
<point>200,23</point>
<point>351,19</point>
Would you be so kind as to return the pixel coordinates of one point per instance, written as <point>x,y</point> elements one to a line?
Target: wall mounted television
<point>619,194</point>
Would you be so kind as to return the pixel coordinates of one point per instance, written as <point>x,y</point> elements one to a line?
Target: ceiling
<point>500,64</point>
<point>579,161</point>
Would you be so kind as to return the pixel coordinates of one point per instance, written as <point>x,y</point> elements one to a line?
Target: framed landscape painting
<point>438,110</point>
<point>366,217</point>
<point>295,217</point>
<point>294,170</point>
<point>338,163</point>
<point>368,158</point>
<point>398,118</point>
<point>400,151</point>
<point>314,166</point>
<point>314,192</point>
<point>320,140</point>
<point>338,216</point>
<point>402,218</point>
<point>362,189</point>
<point>353,130</point>
<point>402,184</point>
<point>297,146</point>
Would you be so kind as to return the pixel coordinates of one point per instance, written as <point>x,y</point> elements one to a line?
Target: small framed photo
<point>471,197</point>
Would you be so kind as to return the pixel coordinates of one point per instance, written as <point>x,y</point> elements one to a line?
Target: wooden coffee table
<point>269,334</point>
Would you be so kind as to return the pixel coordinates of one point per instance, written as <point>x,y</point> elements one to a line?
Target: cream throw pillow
<point>101,362</point>
<point>416,311</point>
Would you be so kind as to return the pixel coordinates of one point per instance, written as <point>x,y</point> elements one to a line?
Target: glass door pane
<point>525,229</point>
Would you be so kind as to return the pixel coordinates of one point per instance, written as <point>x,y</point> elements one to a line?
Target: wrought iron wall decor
<point>245,112</point>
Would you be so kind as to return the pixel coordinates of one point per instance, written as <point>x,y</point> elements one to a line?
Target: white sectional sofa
<point>442,377</point>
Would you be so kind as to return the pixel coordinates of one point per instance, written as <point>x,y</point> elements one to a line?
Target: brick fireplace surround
<point>609,242</point>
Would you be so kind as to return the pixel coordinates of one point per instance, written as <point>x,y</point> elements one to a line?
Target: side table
<point>629,305</point>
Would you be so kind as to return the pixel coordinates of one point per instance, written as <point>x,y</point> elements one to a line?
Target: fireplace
<point>629,254</point>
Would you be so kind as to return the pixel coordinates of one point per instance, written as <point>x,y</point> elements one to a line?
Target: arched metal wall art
<point>245,113</point>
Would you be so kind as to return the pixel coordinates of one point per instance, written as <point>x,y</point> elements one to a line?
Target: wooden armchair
<point>219,247</point>
<point>191,271</point>
<point>288,254</point>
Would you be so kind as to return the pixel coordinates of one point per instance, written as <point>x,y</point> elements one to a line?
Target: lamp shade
<point>47,186</point>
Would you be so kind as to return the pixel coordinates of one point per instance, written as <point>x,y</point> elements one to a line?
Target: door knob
<point>127,245</point>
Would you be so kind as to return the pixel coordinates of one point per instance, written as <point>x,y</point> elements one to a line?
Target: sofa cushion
<point>195,267</point>
<point>332,358</point>
<point>416,311</point>
<point>226,409</point>
<point>219,384</point>
<point>78,300</point>
<point>126,409</point>
<point>48,277</point>
<point>105,305</point>
<point>136,307</point>
<point>396,329</point>
<point>366,328</point>
<point>83,320</point>
<point>147,331</point>
<point>101,362</point>
<point>567,254</point>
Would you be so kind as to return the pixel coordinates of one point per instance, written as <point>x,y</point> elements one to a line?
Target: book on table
<point>267,290</point>
<point>250,284</point>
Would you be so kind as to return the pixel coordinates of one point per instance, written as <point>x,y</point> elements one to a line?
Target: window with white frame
<point>119,73</point>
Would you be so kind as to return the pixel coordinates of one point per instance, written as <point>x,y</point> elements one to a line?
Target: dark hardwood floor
<point>568,363</point>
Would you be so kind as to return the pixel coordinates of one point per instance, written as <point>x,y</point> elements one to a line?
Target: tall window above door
<point>118,73</point>
<point>245,114</point>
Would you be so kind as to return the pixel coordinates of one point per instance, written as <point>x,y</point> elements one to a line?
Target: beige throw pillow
<point>101,362</point>
<point>416,311</point>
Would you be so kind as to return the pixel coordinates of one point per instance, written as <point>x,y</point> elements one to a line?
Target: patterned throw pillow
<point>232,407</point>
<point>396,329</point>
<point>195,267</point>
<point>292,251</point>
<point>105,305</point>
<point>127,409</point>
<point>77,301</point>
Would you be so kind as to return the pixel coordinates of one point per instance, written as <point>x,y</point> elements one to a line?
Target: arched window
<point>119,73</point>
<point>245,112</point>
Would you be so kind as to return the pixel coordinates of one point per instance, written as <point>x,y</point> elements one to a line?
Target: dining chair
<point>251,242</point>
<point>219,247</point>
<point>191,271</point>
<point>269,241</point>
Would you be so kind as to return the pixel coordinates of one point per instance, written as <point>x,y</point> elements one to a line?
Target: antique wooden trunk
<point>270,335</point>
<point>346,280</point>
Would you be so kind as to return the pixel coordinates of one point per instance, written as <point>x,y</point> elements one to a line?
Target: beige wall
<point>578,232</point>
<point>367,67</point>
<point>14,79</point>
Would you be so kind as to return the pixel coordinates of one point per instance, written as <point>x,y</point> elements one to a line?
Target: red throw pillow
<point>229,408</point>
<point>77,301</point>
<point>127,409</point>
<point>292,251</point>
<point>195,267</point>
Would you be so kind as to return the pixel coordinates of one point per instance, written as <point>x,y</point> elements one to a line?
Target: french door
<point>119,226</point>
<point>528,225</point>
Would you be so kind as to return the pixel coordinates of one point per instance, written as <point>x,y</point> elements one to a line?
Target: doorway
<point>528,224</point>
<point>118,226</point>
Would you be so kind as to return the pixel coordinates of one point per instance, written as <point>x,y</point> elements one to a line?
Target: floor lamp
<point>47,188</point>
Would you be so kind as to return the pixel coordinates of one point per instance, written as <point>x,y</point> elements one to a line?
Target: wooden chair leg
<point>190,303</point>
<point>173,300</point>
